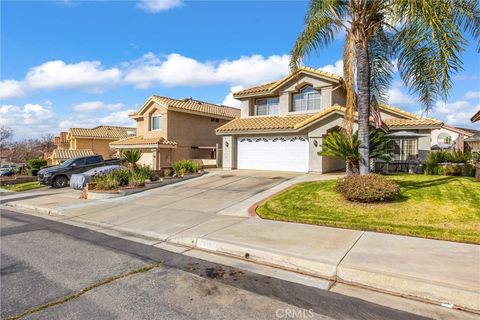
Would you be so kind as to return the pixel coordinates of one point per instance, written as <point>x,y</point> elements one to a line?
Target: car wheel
<point>60,182</point>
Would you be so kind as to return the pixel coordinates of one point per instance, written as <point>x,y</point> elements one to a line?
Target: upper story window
<point>307,99</point>
<point>156,123</point>
<point>266,106</point>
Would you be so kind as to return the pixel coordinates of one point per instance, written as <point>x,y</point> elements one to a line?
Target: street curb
<point>47,211</point>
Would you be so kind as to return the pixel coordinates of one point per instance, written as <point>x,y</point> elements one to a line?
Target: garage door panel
<point>288,153</point>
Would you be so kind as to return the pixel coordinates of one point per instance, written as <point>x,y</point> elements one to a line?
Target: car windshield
<point>67,163</point>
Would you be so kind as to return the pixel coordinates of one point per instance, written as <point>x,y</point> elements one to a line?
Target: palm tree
<point>341,145</point>
<point>424,35</point>
<point>132,157</point>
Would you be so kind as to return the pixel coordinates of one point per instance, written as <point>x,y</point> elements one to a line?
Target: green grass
<point>437,207</point>
<point>22,186</point>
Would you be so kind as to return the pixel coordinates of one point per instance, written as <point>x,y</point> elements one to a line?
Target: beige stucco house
<point>283,124</point>
<point>170,129</point>
<point>79,142</point>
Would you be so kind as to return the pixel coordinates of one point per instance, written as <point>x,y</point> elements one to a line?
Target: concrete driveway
<point>182,213</point>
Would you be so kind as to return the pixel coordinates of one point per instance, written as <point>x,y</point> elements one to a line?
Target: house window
<point>266,106</point>
<point>307,99</point>
<point>156,123</point>
<point>404,149</point>
<point>444,138</point>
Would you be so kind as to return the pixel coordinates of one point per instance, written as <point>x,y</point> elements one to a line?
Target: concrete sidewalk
<point>440,272</point>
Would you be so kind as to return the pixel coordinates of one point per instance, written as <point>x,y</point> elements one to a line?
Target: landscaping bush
<point>186,166</point>
<point>107,182</point>
<point>433,164</point>
<point>368,188</point>
<point>36,164</point>
<point>168,172</point>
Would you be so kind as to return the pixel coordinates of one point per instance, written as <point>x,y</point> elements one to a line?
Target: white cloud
<point>90,75</point>
<point>95,106</point>
<point>118,118</point>
<point>230,100</point>
<point>31,120</point>
<point>154,6</point>
<point>10,89</point>
<point>470,95</point>
<point>457,113</point>
<point>177,70</point>
<point>336,68</point>
<point>396,96</point>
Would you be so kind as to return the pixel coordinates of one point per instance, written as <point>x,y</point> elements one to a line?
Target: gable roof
<point>405,123</point>
<point>271,86</point>
<point>100,132</point>
<point>191,105</point>
<point>140,140</point>
<point>458,130</point>
<point>388,108</point>
<point>285,123</point>
<point>300,121</point>
<point>67,154</point>
<point>476,117</point>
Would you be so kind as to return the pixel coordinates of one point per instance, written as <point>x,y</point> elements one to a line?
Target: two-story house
<point>81,142</point>
<point>170,129</point>
<point>283,124</point>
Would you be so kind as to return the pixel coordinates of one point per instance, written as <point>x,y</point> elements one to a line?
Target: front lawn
<point>438,207</point>
<point>22,186</point>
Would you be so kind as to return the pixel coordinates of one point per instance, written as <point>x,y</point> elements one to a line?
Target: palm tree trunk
<point>363,104</point>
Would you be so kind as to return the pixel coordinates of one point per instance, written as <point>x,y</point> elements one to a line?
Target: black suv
<point>59,176</point>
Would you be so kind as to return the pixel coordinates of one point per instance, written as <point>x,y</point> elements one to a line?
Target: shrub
<point>36,164</point>
<point>168,172</point>
<point>107,182</point>
<point>186,166</point>
<point>368,188</point>
<point>132,157</point>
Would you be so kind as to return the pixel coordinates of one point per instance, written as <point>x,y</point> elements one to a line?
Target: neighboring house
<point>60,155</point>
<point>283,124</point>
<point>449,138</point>
<point>170,129</point>
<point>5,156</point>
<point>476,117</point>
<point>61,141</point>
<point>83,142</point>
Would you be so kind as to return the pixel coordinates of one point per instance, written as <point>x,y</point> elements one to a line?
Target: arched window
<point>444,138</point>
<point>307,99</point>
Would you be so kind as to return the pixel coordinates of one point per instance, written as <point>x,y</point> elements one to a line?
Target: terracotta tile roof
<point>67,154</point>
<point>101,132</point>
<point>458,130</point>
<point>398,111</point>
<point>193,105</point>
<point>266,87</point>
<point>288,122</point>
<point>476,117</point>
<point>423,122</point>
<point>140,140</point>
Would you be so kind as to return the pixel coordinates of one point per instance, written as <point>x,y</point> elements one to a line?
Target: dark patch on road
<point>320,301</point>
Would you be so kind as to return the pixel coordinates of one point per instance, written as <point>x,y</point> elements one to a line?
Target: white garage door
<point>288,153</point>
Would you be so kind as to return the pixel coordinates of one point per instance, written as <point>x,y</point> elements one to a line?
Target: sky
<point>85,63</point>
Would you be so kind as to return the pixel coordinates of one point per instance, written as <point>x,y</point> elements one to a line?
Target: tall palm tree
<point>424,35</point>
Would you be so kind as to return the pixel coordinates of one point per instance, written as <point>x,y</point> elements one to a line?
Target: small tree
<point>132,157</point>
<point>338,145</point>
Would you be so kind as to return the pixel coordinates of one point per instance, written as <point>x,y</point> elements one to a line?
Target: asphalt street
<point>50,270</point>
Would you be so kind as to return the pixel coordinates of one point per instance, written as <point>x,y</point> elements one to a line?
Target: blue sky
<point>66,64</point>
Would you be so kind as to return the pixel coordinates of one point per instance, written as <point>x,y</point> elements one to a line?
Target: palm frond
<point>430,42</point>
<point>324,19</point>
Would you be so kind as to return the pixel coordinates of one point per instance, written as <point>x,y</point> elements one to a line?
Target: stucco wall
<point>98,146</point>
<point>147,159</point>
<point>229,152</point>
<point>436,132</point>
<point>286,91</point>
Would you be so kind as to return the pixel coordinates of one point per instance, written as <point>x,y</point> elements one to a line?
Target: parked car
<point>6,171</point>
<point>78,181</point>
<point>59,176</point>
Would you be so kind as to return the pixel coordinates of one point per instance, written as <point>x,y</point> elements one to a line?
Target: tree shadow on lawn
<point>415,184</point>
